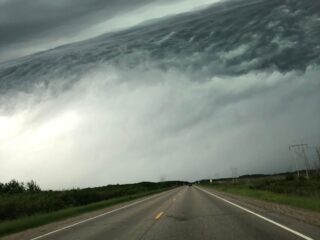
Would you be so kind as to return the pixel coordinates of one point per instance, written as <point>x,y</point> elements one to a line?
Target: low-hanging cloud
<point>125,131</point>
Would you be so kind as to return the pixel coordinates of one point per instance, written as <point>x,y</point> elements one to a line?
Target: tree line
<point>19,199</point>
<point>14,187</point>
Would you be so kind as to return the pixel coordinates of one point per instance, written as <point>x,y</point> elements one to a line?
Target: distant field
<point>300,193</point>
<point>23,209</point>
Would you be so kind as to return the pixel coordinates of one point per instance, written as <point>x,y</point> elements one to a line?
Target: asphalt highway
<point>183,213</point>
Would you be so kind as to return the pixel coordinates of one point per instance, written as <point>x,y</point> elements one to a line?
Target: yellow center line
<point>158,216</point>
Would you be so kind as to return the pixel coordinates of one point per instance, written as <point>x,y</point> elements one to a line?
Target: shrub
<point>290,177</point>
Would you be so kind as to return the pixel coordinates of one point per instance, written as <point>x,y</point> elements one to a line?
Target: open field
<point>300,193</point>
<point>24,210</point>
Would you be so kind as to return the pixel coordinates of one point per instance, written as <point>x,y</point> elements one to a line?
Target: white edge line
<point>258,215</point>
<point>100,215</point>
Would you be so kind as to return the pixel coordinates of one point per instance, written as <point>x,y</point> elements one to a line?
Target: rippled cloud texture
<point>38,25</point>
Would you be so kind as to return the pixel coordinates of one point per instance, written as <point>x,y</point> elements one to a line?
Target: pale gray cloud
<point>110,130</point>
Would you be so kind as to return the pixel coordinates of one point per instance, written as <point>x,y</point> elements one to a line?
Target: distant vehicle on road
<point>190,184</point>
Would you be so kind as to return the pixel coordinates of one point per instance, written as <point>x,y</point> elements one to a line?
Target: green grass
<point>17,225</point>
<point>284,192</point>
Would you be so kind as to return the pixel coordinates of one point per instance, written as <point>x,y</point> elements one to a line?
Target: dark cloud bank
<point>185,98</point>
<point>30,25</point>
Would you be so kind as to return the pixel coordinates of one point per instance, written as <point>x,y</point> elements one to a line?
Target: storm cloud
<point>184,97</point>
<point>37,25</point>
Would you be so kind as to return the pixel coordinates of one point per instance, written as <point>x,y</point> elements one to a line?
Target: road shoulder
<point>299,219</point>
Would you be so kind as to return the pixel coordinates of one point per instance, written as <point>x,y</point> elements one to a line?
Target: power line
<point>299,150</point>
<point>234,174</point>
<point>318,153</point>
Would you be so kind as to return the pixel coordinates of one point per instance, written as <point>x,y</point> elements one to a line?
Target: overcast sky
<point>174,102</point>
<point>30,26</point>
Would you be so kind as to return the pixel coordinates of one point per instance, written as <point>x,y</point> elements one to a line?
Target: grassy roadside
<point>17,225</point>
<point>304,202</point>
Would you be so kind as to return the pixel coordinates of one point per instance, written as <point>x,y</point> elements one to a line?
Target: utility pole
<point>234,174</point>
<point>299,149</point>
<point>318,153</point>
<point>296,162</point>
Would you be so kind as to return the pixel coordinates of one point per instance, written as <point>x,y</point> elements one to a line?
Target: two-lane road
<point>184,213</point>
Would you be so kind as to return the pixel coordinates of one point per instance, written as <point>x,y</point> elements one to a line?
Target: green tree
<point>14,187</point>
<point>33,187</point>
